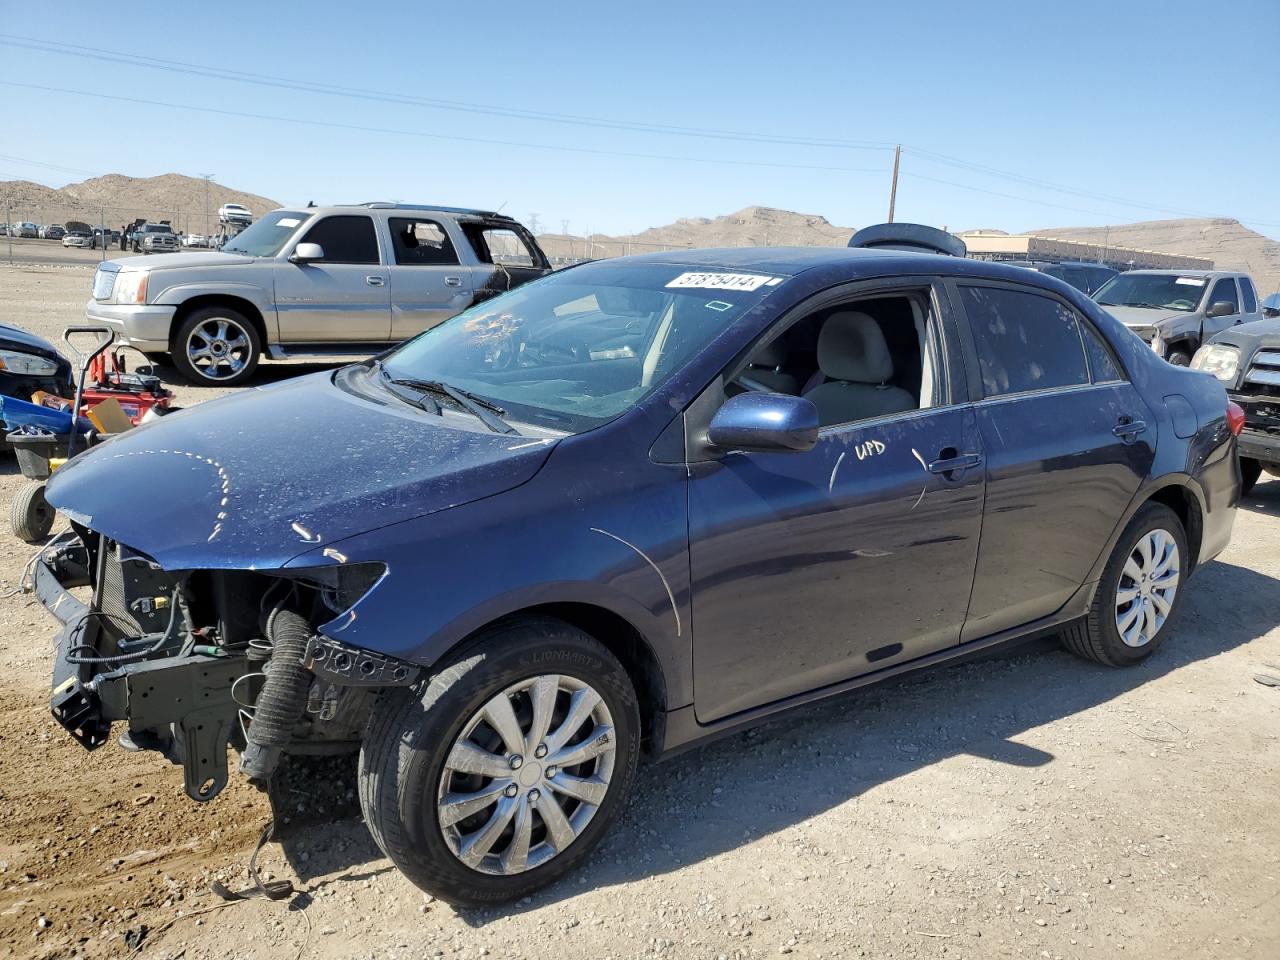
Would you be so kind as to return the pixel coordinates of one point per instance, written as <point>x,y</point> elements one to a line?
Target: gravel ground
<point>1029,805</point>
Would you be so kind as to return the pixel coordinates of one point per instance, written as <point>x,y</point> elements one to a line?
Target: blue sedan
<point>620,510</point>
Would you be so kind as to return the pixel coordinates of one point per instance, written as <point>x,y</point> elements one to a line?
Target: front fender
<point>180,293</point>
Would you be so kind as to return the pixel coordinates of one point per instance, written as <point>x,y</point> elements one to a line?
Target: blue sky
<point>1139,110</point>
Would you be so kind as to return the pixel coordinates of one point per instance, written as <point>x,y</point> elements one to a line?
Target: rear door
<point>508,256</point>
<point>1067,440</point>
<point>344,298</point>
<point>428,283</point>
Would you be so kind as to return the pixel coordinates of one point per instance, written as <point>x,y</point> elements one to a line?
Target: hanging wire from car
<point>77,652</point>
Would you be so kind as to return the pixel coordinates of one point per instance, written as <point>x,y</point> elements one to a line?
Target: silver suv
<point>1175,311</point>
<point>320,282</point>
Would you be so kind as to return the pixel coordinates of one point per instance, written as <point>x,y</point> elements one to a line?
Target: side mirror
<point>306,253</point>
<point>765,423</point>
<point>1222,308</point>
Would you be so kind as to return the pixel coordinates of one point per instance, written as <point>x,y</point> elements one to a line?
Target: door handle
<point>951,467</point>
<point>1128,430</point>
<point>453,281</point>
<point>374,281</point>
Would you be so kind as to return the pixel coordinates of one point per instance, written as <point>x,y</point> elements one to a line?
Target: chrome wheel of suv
<point>218,348</point>
<point>1148,583</point>
<point>526,774</point>
<point>216,345</point>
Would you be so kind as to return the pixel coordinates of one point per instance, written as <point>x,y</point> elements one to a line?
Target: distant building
<point>995,245</point>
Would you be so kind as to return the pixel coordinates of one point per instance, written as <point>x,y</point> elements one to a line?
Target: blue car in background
<point>622,509</point>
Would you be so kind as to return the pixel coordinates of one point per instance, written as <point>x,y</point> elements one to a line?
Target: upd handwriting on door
<point>869,448</point>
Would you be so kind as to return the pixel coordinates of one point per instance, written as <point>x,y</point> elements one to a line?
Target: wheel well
<point>1183,502</point>
<point>247,307</point>
<point>625,642</point>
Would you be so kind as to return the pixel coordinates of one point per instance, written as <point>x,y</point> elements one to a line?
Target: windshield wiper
<point>489,413</point>
<point>419,399</point>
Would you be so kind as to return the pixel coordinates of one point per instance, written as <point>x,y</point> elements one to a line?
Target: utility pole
<point>206,177</point>
<point>893,190</point>
<point>533,224</point>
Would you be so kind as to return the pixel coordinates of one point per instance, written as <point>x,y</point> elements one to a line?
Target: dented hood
<point>255,479</point>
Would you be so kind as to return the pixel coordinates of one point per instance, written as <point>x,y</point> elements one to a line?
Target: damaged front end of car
<point>194,661</point>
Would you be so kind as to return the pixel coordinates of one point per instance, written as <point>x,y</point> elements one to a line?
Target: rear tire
<point>412,778</point>
<point>30,515</point>
<point>1098,637</point>
<point>1250,471</point>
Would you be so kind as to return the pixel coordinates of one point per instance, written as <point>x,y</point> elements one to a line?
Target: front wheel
<point>1138,594</point>
<point>504,772</point>
<point>1179,358</point>
<point>216,347</point>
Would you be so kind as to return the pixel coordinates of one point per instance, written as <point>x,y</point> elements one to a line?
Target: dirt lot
<point>1026,806</point>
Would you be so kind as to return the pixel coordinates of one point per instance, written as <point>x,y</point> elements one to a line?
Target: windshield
<point>156,228</point>
<point>1159,291</point>
<point>268,236</point>
<point>580,347</point>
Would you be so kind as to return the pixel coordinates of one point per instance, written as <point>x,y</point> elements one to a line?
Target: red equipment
<point>137,393</point>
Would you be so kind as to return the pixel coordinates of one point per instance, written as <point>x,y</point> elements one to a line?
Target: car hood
<point>163,261</point>
<point>252,480</point>
<point>1142,316</point>
<point>18,338</point>
<point>1252,336</point>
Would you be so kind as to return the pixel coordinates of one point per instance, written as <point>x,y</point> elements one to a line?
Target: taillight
<point>1235,417</point>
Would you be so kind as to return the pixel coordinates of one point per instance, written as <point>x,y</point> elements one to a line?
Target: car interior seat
<point>765,369</point>
<point>855,359</point>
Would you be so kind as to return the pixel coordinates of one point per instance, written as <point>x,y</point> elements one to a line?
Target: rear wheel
<point>1250,471</point>
<point>505,771</point>
<point>1139,592</point>
<point>217,346</point>
<point>30,515</point>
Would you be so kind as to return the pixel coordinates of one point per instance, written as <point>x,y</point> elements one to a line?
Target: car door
<point>1067,441</point>
<point>428,284</point>
<point>1223,290</point>
<point>811,568</point>
<point>1248,301</point>
<point>344,297</point>
<point>508,256</point>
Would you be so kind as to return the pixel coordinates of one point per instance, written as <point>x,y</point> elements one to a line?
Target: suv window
<point>1225,289</point>
<point>1024,341</point>
<point>505,246</point>
<point>345,239</point>
<point>421,242</point>
<point>1250,298</point>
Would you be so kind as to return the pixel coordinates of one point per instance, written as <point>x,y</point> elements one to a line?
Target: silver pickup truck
<point>319,282</point>
<point>1175,311</point>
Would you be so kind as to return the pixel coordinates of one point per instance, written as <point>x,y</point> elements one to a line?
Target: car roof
<point>860,261</point>
<point>417,208</point>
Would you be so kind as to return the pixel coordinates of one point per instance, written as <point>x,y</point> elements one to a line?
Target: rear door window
<point>421,243</point>
<point>345,239</point>
<point>1024,341</point>
<point>1225,289</point>
<point>1102,365</point>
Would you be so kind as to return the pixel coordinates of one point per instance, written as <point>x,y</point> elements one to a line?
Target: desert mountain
<point>1226,242</point>
<point>117,199</point>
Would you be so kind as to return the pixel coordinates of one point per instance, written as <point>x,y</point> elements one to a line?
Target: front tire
<point>1139,592</point>
<point>1179,358</point>
<point>504,771</point>
<point>216,347</point>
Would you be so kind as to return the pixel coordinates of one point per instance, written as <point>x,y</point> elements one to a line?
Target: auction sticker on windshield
<point>723,281</point>
<point>1191,281</point>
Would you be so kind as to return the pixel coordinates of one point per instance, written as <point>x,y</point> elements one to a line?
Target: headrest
<point>851,347</point>
<point>772,354</point>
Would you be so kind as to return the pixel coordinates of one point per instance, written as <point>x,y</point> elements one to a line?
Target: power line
<point>385,96</point>
<point>433,136</point>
